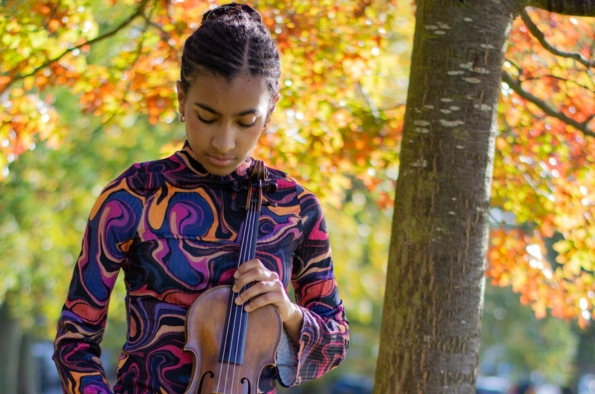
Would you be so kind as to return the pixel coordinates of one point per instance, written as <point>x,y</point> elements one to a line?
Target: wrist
<point>295,315</point>
<point>293,324</point>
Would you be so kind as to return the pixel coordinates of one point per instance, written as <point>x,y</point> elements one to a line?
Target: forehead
<point>230,95</point>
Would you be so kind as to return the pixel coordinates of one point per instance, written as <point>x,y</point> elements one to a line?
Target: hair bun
<point>232,11</point>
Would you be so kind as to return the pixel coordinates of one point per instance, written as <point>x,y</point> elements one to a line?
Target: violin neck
<point>232,349</point>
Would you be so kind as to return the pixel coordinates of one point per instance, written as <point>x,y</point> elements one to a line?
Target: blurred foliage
<point>544,173</point>
<point>515,343</point>
<point>87,88</point>
<point>122,58</point>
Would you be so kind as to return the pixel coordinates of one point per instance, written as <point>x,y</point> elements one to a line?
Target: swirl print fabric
<point>168,225</point>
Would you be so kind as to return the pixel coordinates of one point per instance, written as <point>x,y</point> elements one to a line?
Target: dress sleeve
<point>324,337</point>
<point>108,235</point>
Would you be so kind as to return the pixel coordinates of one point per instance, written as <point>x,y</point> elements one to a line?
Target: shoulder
<point>305,198</point>
<point>149,175</point>
<point>284,181</point>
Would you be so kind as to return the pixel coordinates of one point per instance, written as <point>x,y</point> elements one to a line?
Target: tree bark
<point>434,289</point>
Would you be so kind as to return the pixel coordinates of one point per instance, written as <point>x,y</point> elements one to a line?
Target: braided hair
<point>229,45</point>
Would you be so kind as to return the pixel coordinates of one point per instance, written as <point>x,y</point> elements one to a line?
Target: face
<point>224,119</point>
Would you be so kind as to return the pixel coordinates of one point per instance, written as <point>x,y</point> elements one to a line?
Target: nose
<point>224,139</point>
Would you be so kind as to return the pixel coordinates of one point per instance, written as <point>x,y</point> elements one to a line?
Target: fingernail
<point>247,308</point>
<point>236,274</point>
<point>234,288</point>
<point>238,300</point>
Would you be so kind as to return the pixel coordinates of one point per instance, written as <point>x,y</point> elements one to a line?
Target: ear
<point>274,102</point>
<point>181,97</point>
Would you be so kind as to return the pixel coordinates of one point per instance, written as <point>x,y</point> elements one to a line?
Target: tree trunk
<point>429,341</point>
<point>583,361</point>
<point>11,334</point>
<point>28,377</point>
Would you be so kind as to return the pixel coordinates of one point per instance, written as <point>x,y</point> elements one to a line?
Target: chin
<point>220,172</point>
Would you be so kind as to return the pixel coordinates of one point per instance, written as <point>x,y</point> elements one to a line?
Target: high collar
<point>187,155</point>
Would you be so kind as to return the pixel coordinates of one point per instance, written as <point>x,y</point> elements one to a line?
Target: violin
<point>230,351</point>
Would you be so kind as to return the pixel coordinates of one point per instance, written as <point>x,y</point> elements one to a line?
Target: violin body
<point>205,330</point>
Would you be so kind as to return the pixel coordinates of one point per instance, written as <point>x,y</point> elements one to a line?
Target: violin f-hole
<point>247,381</point>
<point>202,379</point>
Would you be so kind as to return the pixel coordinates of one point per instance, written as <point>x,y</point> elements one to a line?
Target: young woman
<point>172,227</point>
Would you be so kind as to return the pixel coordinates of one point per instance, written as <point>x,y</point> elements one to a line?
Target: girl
<point>172,227</point>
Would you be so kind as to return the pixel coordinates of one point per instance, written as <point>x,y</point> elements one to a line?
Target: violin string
<point>236,339</point>
<point>251,218</point>
<point>251,235</point>
<point>226,336</point>
<point>250,254</point>
<point>225,339</point>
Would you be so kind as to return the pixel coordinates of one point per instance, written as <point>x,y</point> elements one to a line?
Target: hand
<point>267,289</point>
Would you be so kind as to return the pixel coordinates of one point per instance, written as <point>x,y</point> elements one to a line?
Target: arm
<point>324,333</point>
<point>110,229</point>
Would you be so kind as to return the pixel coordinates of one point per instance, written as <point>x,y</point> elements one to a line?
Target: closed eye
<point>210,121</point>
<point>246,126</point>
<point>205,120</point>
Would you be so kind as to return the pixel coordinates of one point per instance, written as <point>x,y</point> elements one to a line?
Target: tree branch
<point>538,34</point>
<point>588,89</point>
<point>371,104</point>
<point>126,22</point>
<point>519,68</point>
<point>102,125</point>
<point>566,7</point>
<point>166,36</point>
<point>545,107</point>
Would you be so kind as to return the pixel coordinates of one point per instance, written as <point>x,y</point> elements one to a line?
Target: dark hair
<point>229,45</point>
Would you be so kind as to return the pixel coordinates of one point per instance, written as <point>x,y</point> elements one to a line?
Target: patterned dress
<point>169,226</point>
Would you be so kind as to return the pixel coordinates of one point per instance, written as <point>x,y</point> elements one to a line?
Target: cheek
<point>252,137</point>
<point>192,122</point>
<point>195,128</point>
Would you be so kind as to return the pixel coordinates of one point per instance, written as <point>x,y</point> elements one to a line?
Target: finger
<point>254,275</point>
<point>249,265</point>
<point>271,298</point>
<point>255,290</point>
<point>278,299</point>
<point>258,289</point>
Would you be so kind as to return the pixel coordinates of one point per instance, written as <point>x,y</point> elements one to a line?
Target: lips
<point>220,161</point>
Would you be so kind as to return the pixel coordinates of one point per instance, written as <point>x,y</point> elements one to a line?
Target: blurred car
<point>492,385</point>
<point>48,380</point>
<point>353,384</point>
<point>586,384</point>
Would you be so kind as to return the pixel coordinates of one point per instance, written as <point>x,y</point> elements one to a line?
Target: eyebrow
<point>251,111</point>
